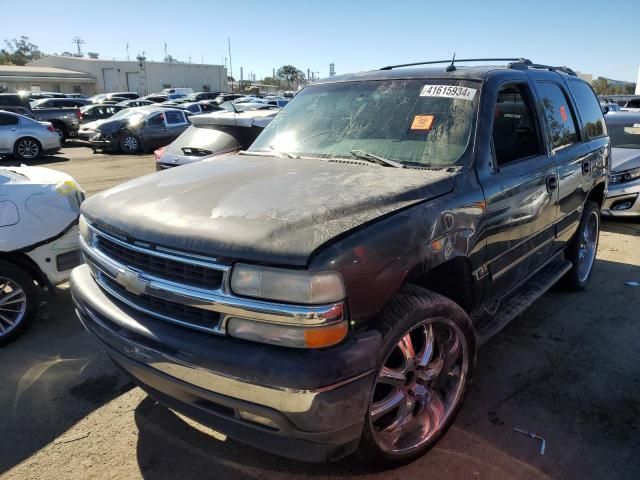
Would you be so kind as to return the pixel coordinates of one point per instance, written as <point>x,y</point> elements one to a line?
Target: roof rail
<point>454,60</point>
<point>527,64</point>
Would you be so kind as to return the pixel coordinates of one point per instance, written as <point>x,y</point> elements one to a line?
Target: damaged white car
<point>38,240</point>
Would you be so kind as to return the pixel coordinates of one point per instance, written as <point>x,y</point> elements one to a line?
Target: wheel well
<point>453,279</point>
<point>597,194</point>
<point>27,264</point>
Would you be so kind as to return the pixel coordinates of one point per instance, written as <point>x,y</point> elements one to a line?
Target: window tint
<point>7,119</point>
<point>514,127</point>
<point>156,120</point>
<point>589,108</point>
<point>562,123</point>
<point>174,117</point>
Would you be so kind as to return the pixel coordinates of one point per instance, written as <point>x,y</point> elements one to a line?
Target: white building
<point>141,76</point>
<point>14,78</point>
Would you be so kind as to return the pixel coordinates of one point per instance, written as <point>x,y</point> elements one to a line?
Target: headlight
<point>623,177</point>
<point>291,286</point>
<point>85,230</point>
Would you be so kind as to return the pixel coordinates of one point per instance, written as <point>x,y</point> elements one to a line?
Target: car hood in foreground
<point>274,210</point>
<point>624,159</point>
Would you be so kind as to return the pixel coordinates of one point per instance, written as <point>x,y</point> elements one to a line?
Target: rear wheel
<point>27,149</point>
<point>130,143</point>
<point>582,250</point>
<point>423,373</point>
<point>61,131</point>
<point>18,301</point>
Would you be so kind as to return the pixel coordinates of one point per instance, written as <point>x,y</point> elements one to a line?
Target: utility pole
<point>127,50</point>
<point>230,64</point>
<point>78,41</point>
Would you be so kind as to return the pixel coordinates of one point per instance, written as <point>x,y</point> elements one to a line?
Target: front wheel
<point>424,370</point>
<point>582,250</point>
<point>130,143</point>
<point>18,301</point>
<point>27,149</point>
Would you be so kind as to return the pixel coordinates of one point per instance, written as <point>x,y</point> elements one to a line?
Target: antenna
<point>452,67</point>
<point>78,41</point>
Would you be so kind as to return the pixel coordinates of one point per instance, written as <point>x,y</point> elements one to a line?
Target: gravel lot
<point>567,370</point>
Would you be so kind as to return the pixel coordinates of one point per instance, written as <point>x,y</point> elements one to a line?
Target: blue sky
<point>594,37</point>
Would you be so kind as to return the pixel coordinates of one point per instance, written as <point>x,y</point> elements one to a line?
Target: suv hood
<point>624,159</point>
<point>266,209</point>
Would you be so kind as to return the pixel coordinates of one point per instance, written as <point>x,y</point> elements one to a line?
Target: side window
<point>589,108</point>
<point>156,120</point>
<point>7,120</point>
<point>562,123</point>
<point>174,118</point>
<point>515,135</point>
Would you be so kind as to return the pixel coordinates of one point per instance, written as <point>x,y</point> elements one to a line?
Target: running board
<point>488,325</point>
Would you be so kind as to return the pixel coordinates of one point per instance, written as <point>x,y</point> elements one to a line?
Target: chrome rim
<point>588,246</point>
<point>13,305</point>
<point>28,149</point>
<point>418,386</point>
<point>130,144</point>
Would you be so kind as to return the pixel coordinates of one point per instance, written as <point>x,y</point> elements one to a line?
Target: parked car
<point>199,96</point>
<point>624,179</point>
<point>40,95</point>
<point>178,91</point>
<point>111,101</point>
<point>140,129</point>
<point>39,247</point>
<point>19,110</point>
<point>195,108</point>
<point>134,103</point>
<point>14,100</point>
<point>75,95</point>
<point>59,103</point>
<point>632,105</point>
<point>326,291</point>
<point>65,121</point>
<point>127,95</point>
<point>93,112</point>
<point>25,138</point>
<point>226,97</point>
<point>156,98</point>
<point>213,134</point>
<point>608,107</point>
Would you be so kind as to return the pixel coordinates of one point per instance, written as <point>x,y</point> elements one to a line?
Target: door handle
<point>586,167</point>
<point>552,183</point>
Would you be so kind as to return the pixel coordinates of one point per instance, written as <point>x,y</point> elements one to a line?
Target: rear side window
<point>560,119</point>
<point>589,108</point>
<point>156,120</point>
<point>174,118</point>
<point>7,120</point>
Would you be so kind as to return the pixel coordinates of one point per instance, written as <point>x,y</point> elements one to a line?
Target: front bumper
<point>103,142</point>
<point>310,404</point>
<point>57,257</point>
<point>621,195</point>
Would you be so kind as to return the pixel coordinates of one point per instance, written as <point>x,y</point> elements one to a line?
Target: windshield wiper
<point>385,162</point>
<point>282,154</point>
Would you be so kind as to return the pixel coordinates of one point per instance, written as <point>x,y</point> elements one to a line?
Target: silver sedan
<point>25,138</point>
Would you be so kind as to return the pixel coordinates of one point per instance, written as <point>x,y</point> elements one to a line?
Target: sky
<point>592,37</point>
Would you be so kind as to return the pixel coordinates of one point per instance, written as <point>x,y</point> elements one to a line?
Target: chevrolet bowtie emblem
<point>132,282</point>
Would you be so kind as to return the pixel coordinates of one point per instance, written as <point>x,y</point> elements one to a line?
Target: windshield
<point>413,122</point>
<point>127,112</point>
<point>624,135</point>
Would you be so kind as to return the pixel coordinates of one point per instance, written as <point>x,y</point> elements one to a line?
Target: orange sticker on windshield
<point>563,114</point>
<point>422,122</point>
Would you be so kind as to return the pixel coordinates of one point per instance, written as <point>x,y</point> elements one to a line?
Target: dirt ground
<point>567,369</point>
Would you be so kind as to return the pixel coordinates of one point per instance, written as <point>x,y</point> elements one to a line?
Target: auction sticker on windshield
<point>448,91</point>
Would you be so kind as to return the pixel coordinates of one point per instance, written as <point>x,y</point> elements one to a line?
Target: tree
<point>290,74</point>
<point>600,86</point>
<point>19,52</point>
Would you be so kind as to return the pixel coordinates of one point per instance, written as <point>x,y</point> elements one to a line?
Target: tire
<point>413,313</point>
<point>582,252</point>
<point>61,130</point>
<point>130,143</point>
<point>27,148</point>
<point>17,310</point>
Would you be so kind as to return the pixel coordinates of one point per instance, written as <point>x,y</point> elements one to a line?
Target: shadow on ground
<point>52,376</point>
<point>561,370</point>
<point>624,226</point>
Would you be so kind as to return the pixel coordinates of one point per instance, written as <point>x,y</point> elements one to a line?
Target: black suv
<point>326,290</point>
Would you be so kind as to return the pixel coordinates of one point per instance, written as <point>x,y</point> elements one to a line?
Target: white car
<point>26,138</point>
<point>39,210</point>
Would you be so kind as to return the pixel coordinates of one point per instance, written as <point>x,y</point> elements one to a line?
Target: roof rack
<point>515,63</point>
<point>528,64</point>
<point>454,60</point>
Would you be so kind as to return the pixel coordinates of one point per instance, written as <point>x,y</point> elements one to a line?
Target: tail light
<point>51,129</point>
<point>159,152</point>
<point>78,114</point>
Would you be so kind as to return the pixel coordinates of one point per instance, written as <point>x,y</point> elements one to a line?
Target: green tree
<point>600,86</point>
<point>19,52</point>
<point>290,74</point>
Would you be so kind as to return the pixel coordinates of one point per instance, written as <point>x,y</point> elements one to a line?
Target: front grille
<point>177,312</point>
<point>164,268</point>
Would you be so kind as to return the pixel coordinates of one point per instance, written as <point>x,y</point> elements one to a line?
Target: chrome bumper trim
<point>283,399</point>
